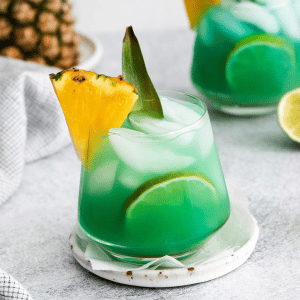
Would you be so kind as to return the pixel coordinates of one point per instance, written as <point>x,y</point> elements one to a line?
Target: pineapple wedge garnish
<point>197,8</point>
<point>92,104</point>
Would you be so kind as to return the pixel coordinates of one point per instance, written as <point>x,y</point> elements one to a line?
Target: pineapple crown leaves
<point>135,72</point>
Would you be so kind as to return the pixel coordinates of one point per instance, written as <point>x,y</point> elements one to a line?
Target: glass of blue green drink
<point>151,180</point>
<point>246,53</point>
<point>156,186</point>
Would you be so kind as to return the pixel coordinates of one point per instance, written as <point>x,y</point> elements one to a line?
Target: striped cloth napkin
<point>32,126</point>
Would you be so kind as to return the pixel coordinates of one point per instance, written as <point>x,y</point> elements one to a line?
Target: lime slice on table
<point>261,64</point>
<point>174,208</point>
<point>289,114</point>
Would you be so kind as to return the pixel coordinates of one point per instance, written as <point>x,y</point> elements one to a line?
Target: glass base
<point>136,259</point>
<point>145,260</point>
<point>245,111</point>
<point>240,105</point>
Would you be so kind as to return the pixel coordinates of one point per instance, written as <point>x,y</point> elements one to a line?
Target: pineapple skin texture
<point>40,31</point>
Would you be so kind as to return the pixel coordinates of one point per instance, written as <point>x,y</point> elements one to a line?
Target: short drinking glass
<point>246,54</point>
<point>156,186</point>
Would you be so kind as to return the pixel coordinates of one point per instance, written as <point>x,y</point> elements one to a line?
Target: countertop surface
<point>35,223</point>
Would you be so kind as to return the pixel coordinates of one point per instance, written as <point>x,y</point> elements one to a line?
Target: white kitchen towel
<point>10,289</point>
<point>32,124</point>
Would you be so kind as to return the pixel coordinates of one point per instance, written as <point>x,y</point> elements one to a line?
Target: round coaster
<point>172,277</point>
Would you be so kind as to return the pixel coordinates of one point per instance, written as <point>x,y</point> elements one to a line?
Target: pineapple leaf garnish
<point>135,72</point>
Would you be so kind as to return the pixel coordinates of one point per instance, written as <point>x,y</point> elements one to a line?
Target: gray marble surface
<point>36,221</point>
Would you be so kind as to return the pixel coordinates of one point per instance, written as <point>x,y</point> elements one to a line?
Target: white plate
<point>91,51</point>
<point>172,277</point>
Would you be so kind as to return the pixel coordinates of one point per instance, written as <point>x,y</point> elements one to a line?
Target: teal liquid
<point>171,230</point>
<point>217,35</point>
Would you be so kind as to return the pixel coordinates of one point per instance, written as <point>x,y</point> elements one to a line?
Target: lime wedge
<point>175,207</point>
<point>261,64</point>
<point>289,114</point>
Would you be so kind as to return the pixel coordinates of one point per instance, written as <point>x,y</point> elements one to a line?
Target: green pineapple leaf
<point>135,72</point>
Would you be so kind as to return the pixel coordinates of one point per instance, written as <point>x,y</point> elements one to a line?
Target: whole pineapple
<point>41,31</point>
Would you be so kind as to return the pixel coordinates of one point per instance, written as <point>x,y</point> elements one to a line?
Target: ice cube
<point>204,141</point>
<point>257,15</point>
<point>145,123</point>
<point>101,180</point>
<point>205,31</point>
<point>145,154</point>
<point>130,179</point>
<point>177,124</point>
<point>288,20</point>
<point>272,3</point>
<point>296,7</point>
<point>219,20</point>
<point>180,113</point>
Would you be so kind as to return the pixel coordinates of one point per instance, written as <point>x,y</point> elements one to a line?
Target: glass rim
<point>186,95</point>
<point>170,135</point>
<point>275,5</point>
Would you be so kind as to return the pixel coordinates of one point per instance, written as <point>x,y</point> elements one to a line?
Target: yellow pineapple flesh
<point>92,104</point>
<point>197,8</point>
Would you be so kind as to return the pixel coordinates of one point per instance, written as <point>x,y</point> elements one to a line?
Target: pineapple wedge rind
<point>92,104</point>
